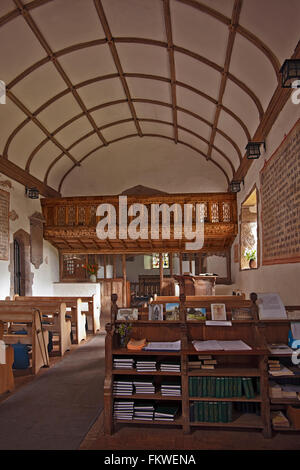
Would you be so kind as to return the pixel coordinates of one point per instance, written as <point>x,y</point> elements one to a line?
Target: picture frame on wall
<point>218,312</point>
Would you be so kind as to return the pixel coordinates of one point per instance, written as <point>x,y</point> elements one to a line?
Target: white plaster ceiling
<point>83,75</point>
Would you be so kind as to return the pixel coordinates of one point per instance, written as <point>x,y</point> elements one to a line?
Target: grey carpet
<point>57,409</point>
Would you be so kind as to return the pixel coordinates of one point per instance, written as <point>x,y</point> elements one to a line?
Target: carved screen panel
<point>280,196</point>
<point>4,225</point>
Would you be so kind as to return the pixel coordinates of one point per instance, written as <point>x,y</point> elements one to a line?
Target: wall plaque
<point>4,225</point>
<point>280,197</point>
<point>36,239</point>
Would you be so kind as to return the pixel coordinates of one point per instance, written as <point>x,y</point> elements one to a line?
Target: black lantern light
<point>290,72</point>
<point>253,150</point>
<point>235,186</point>
<point>32,193</point>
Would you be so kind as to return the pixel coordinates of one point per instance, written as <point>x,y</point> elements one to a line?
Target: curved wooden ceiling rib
<point>52,56</point>
<point>70,121</point>
<point>89,134</point>
<point>145,135</point>
<point>152,42</point>
<point>140,100</point>
<point>192,3</point>
<point>240,29</point>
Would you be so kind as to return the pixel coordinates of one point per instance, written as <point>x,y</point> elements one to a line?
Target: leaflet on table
<point>270,307</point>
<point>218,323</point>
<point>163,346</point>
<point>214,345</point>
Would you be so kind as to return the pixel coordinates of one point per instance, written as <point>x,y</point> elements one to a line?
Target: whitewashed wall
<point>281,278</point>
<point>49,271</point>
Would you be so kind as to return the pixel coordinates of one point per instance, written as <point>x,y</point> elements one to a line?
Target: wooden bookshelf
<point>246,363</point>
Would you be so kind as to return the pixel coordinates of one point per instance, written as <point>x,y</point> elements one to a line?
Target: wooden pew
<point>74,303</point>
<point>55,322</point>
<point>37,336</point>
<point>7,383</point>
<point>71,302</point>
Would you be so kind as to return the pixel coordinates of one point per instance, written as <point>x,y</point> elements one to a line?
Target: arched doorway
<point>17,269</point>
<point>21,275</point>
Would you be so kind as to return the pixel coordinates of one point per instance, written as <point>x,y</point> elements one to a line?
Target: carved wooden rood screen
<point>70,223</point>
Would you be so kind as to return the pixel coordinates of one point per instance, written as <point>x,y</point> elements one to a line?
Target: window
<point>155,260</point>
<point>249,232</point>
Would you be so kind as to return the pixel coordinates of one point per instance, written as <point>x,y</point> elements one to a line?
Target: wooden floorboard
<point>137,437</point>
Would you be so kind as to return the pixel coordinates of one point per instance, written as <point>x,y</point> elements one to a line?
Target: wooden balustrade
<point>70,223</point>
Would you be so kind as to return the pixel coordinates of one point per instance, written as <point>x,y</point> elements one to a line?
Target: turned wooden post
<point>108,382</point>
<point>114,308</point>
<point>124,280</point>
<point>161,273</point>
<point>254,307</point>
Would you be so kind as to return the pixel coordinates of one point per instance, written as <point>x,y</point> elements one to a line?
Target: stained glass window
<point>155,260</point>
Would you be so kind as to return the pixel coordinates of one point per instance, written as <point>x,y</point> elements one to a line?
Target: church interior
<point>149,225</point>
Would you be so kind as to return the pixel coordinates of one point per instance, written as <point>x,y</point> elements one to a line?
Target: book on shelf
<point>170,365</point>
<point>279,419</point>
<point>280,348</point>
<point>283,371</point>
<point>136,344</point>
<point>163,346</point>
<point>224,387</point>
<point>213,345</point>
<point>211,412</point>
<point>165,413</point>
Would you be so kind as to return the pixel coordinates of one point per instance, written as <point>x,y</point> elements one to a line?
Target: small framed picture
<point>196,313</point>
<point>218,311</point>
<point>128,314</point>
<point>172,311</point>
<point>155,312</point>
<point>241,314</point>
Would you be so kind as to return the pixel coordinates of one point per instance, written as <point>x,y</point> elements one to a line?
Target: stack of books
<point>123,387</point>
<point>194,365</point>
<point>144,411</point>
<point>144,386</point>
<point>123,410</point>
<point>146,365</point>
<point>279,420</point>
<point>209,364</point>
<point>170,389</point>
<point>165,413</point>
<point>126,363</point>
<point>274,365</point>
<point>204,362</point>
<point>223,387</point>
<point>170,366</point>
<point>275,390</point>
<point>211,411</point>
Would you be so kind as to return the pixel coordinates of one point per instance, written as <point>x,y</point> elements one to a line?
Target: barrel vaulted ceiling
<point>85,76</point>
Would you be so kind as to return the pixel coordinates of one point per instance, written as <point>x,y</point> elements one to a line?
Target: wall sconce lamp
<point>253,150</point>
<point>235,186</point>
<point>32,193</point>
<point>290,71</point>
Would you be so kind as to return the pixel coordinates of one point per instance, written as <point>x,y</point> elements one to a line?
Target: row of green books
<point>224,387</point>
<point>211,411</point>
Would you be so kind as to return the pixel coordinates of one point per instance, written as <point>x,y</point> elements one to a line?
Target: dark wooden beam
<point>21,176</point>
